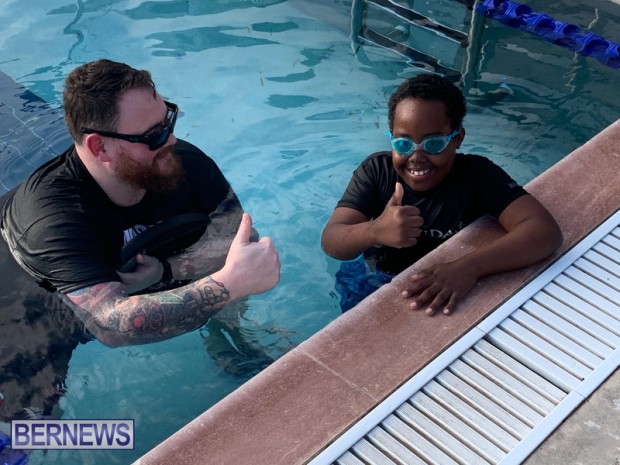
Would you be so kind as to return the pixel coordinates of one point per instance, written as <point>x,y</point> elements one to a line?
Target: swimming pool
<point>274,93</point>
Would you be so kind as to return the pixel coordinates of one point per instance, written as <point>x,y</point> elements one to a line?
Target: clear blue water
<point>274,92</point>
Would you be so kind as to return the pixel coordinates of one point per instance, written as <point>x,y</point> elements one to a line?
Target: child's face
<point>418,119</point>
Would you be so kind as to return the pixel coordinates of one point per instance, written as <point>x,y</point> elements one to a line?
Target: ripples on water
<point>31,132</point>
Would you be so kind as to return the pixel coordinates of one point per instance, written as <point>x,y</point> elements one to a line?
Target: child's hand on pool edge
<point>440,286</point>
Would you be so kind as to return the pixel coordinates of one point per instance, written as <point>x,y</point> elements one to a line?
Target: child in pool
<point>402,204</point>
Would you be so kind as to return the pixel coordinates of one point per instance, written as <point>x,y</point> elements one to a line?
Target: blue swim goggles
<point>432,145</point>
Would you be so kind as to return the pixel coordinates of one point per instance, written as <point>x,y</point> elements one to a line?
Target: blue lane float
<point>570,36</point>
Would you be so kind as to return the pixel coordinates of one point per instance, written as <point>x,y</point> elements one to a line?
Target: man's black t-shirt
<point>65,231</point>
<point>474,187</point>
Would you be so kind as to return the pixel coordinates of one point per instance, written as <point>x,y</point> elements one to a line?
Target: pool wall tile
<point>293,409</point>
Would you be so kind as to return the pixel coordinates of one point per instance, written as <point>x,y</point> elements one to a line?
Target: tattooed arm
<point>208,254</point>
<point>205,256</point>
<point>117,319</point>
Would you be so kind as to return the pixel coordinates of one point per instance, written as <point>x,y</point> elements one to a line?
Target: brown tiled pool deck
<point>297,406</point>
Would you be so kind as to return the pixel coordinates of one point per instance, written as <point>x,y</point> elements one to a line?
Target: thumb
<point>397,197</point>
<point>245,230</point>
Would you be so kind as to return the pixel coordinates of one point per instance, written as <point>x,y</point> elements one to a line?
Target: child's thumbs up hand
<point>399,225</point>
<point>397,197</point>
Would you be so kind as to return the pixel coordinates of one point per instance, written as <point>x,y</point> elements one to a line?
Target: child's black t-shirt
<point>474,187</point>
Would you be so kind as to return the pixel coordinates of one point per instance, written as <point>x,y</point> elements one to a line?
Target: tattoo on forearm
<point>151,322</point>
<point>213,292</point>
<point>181,308</point>
<point>117,319</point>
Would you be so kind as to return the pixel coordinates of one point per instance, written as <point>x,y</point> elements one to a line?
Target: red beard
<point>162,175</point>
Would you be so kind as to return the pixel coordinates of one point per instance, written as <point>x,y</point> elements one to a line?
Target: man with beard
<point>125,176</point>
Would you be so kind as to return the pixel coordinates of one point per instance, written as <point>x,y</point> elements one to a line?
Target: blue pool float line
<point>570,36</point>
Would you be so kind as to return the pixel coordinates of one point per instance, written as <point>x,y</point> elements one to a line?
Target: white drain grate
<point>506,385</point>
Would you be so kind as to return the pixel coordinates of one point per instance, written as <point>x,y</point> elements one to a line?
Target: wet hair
<point>92,92</point>
<point>430,87</point>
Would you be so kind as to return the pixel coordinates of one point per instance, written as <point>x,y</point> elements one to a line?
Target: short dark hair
<point>92,92</point>
<point>430,87</point>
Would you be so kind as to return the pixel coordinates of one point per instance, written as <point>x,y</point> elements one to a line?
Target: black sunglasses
<point>154,138</point>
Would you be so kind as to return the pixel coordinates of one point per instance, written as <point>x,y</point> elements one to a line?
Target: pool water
<point>277,93</point>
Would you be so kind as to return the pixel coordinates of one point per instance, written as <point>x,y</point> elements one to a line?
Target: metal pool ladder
<point>499,391</point>
<point>394,24</point>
